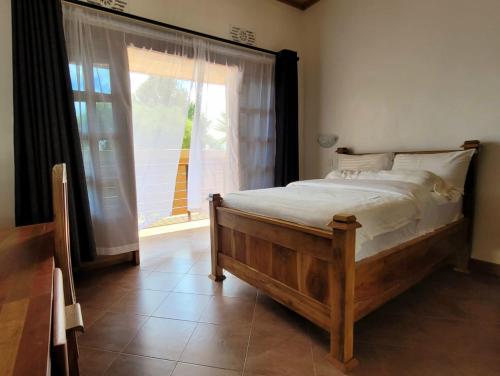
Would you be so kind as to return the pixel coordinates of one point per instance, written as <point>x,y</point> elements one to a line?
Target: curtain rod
<point>168,26</point>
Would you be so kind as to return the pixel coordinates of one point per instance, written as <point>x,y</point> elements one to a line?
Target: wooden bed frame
<point>313,271</point>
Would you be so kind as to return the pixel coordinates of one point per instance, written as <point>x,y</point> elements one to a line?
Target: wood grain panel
<point>387,274</point>
<point>305,306</point>
<point>26,265</point>
<point>240,248</point>
<point>284,266</point>
<point>314,279</point>
<point>225,238</point>
<point>35,337</point>
<point>12,317</point>
<point>259,255</point>
<point>291,236</point>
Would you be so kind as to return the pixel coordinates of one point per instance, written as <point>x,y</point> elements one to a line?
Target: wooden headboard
<point>470,182</point>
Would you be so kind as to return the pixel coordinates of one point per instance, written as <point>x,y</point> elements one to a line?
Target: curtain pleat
<point>99,60</point>
<point>286,167</point>
<point>45,126</point>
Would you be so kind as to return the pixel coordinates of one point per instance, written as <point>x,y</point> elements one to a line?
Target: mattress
<point>390,212</point>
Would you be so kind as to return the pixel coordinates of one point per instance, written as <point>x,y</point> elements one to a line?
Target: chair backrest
<point>62,254</point>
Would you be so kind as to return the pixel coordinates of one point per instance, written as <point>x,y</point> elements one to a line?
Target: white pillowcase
<point>365,162</point>
<point>426,179</point>
<point>452,167</point>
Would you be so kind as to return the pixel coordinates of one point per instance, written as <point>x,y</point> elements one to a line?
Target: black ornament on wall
<point>241,35</point>
<point>111,4</point>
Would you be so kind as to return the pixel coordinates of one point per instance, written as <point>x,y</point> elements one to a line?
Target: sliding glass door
<point>165,118</point>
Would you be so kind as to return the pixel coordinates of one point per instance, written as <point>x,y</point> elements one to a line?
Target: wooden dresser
<point>39,314</point>
<point>26,299</point>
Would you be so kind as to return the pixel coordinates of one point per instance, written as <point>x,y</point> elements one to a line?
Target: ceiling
<point>301,4</point>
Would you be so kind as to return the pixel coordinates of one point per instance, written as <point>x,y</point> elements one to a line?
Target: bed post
<point>215,200</point>
<point>341,275</point>
<point>461,262</point>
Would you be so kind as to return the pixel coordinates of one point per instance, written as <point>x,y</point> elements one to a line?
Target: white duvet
<point>380,205</point>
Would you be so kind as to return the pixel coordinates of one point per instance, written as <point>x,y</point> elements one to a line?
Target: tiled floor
<point>168,318</point>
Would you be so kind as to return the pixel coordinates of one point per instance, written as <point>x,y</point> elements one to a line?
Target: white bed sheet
<point>390,212</point>
<point>435,216</point>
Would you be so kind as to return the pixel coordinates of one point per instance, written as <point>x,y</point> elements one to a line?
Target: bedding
<point>427,179</point>
<point>380,205</point>
<point>438,213</point>
<point>451,167</point>
<point>365,162</point>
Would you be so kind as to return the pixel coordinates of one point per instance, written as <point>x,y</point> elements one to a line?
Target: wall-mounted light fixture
<point>327,140</point>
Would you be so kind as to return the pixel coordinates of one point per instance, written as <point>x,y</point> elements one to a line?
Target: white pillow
<point>365,162</point>
<point>452,167</point>
<point>426,179</point>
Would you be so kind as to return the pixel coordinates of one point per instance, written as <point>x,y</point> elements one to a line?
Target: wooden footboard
<point>309,270</point>
<point>314,272</point>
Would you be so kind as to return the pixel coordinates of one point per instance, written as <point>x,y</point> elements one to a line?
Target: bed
<point>334,272</point>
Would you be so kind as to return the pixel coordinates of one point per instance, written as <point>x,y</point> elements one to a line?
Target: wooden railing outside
<point>179,205</point>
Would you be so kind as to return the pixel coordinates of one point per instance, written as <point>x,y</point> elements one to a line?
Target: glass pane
<point>102,79</point>
<point>105,144</point>
<point>104,113</point>
<point>82,117</point>
<point>76,75</point>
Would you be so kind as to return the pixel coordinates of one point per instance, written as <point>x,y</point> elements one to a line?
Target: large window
<point>94,107</point>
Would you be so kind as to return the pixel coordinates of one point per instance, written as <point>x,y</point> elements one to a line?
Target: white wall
<point>275,25</point>
<point>6,131</point>
<point>406,74</point>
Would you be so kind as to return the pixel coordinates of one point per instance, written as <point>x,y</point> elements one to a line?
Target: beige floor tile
<point>226,310</point>
<point>133,365</point>
<point>100,297</point>
<point>202,267</point>
<point>221,346</point>
<point>90,316</point>
<point>132,279</point>
<point>236,288</point>
<point>176,265</point>
<point>93,362</point>
<point>113,331</point>
<point>183,306</point>
<point>446,325</point>
<point>141,302</point>
<point>161,281</point>
<point>161,338</point>
<point>184,369</point>
<point>198,284</point>
<point>278,351</point>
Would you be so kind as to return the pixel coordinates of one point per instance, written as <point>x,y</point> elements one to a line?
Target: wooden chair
<point>62,258</point>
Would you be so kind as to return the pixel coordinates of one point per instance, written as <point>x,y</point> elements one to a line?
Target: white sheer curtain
<point>213,157</point>
<point>242,157</point>
<point>100,78</point>
<point>160,103</point>
<point>134,86</point>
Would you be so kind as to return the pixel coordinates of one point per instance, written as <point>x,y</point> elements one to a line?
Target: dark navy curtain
<point>286,167</point>
<point>45,125</point>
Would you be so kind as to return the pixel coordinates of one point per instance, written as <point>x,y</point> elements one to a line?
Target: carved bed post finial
<point>215,200</point>
<point>471,144</point>
<point>343,151</point>
<point>341,274</point>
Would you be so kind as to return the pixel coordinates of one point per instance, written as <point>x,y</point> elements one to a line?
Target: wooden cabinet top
<point>26,269</point>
